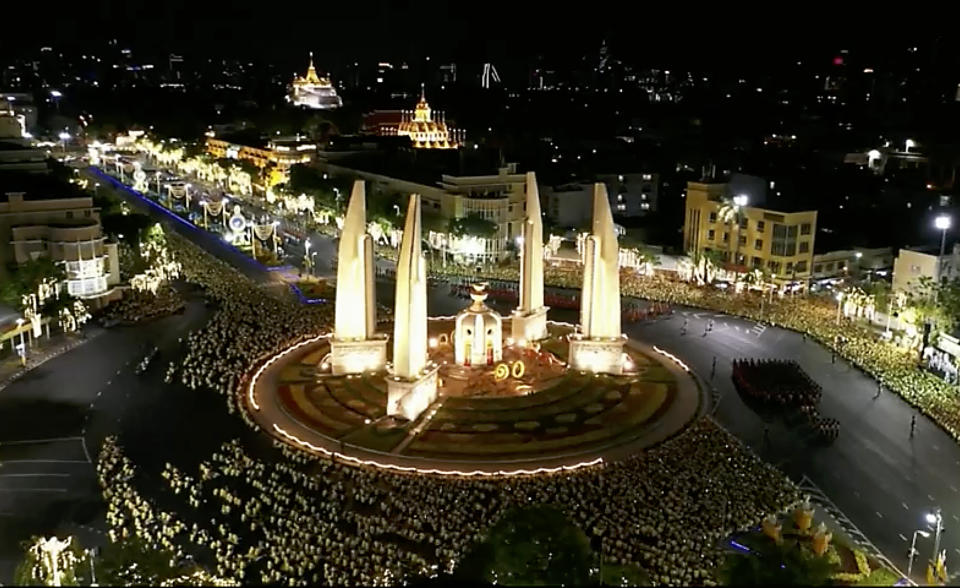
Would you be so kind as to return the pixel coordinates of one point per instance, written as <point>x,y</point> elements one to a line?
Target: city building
<point>426,128</point>
<point>312,91</point>
<point>843,263</point>
<point>66,230</point>
<point>914,263</point>
<point>281,152</point>
<point>748,237</point>
<point>21,103</point>
<point>631,195</point>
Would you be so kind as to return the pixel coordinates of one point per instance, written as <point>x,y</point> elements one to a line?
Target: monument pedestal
<point>529,326</point>
<point>357,356</point>
<point>409,398</point>
<point>600,356</point>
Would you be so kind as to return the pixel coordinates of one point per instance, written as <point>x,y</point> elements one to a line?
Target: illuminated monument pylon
<point>529,320</point>
<point>412,384</point>
<point>598,346</point>
<point>355,346</point>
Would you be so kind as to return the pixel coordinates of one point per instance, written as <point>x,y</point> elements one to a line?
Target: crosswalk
<point>819,498</point>
<point>721,321</point>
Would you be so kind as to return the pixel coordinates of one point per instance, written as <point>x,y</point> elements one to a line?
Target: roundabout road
<point>880,477</point>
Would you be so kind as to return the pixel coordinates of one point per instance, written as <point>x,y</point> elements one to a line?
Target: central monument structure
<point>412,383</point>
<point>356,347</point>
<point>529,320</point>
<point>598,347</point>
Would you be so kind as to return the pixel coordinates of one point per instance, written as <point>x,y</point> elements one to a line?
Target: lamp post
<point>23,347</point>
<point>64,137</point>
<point>943,223</point>
<point>913,549</point>
<point>306,255</point>
<point>186,191</point>
<point>935,518</point>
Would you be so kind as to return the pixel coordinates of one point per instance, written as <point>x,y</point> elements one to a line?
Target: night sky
<point>645,33</point>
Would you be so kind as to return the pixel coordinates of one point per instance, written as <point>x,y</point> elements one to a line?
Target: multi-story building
<point>914,263</point>
<point>282,152</point>
<point>631,195</point>
<point>66,230</point>
<point>753,237</point>
<point>852,263</point>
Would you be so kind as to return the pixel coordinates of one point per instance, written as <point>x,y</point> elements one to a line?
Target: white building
<point>912,264</point>
<point>312,91</point>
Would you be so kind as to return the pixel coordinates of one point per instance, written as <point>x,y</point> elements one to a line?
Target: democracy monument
<point>478,391</point>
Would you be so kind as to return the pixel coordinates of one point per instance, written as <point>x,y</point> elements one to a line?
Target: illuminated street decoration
<point>139,177</point>
<point>313,91</point>
<point>54,561</point>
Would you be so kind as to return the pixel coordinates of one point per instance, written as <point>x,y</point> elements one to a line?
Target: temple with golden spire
<point>428,129</point>
<point>313,91</point>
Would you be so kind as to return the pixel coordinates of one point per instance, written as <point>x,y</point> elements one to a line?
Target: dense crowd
<point>299,519</point>
<point>140,305</point>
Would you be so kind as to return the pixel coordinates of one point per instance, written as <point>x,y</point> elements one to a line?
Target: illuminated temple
<point>426,129</point>
<point>312,91</point>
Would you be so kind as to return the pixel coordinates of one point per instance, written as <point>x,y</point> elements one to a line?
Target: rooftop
<point>36,186</point>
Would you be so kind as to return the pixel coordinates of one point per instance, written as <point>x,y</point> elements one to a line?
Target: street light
<point>913,549</point>
<point>65,136</point>
<point>943,223</point>
<point>935,518</point>
<point>23,347</point>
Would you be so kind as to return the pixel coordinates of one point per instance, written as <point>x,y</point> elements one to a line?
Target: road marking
<point>33,489</point>
<point>878,514</point>
<point>34,475</point>
<point>930,498</point>
<point>902,537</point>
<point>85,452</point>
<point>953,488</point>
<point>29,441</point>
<point>904,505</point>
<point>936,447</point>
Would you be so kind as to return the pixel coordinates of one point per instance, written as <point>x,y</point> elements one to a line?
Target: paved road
<point>53,420</point>
<point>882,479</point>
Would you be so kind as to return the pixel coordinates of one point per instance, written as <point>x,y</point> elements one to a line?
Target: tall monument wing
<point>355,304</point>
<point>355,346</point>
<point>410,316</point>
<point>529,321</point>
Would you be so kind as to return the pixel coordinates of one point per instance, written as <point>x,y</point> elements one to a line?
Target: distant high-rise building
<point>448,73</point>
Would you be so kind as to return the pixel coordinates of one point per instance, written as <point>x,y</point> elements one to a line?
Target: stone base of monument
<point>409,398</point>
<point>600,356</point>
<point>530,326</point>
<point>357,357</point>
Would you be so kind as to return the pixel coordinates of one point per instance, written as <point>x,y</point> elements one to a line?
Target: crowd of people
<point>782,384</point>
<point>138,306</point>
<point>294,518</point>
<point>298,519</point>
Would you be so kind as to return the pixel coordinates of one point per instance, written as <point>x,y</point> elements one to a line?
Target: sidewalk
<point>42,351</point>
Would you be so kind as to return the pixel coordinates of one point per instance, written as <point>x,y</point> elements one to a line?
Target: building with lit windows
<point>313,91</point>
<point>631,195</point>
<point>750,238</point>
<point>281,152</point>
<point>66,230</point>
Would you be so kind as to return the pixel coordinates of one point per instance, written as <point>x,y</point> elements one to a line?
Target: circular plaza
<point>528,412</point>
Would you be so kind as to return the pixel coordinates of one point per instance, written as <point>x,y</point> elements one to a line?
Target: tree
<point>25,278</point>
<point>44,558</point>
<point>789,563</point>
<point>472,225</point>
<point>935,303</point>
